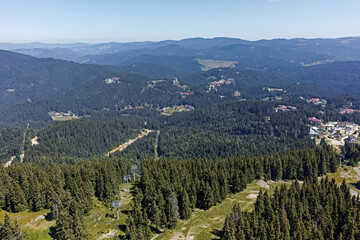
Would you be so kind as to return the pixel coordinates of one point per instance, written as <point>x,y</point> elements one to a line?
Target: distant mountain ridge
<point>340,49</point>
<point>146,73</point>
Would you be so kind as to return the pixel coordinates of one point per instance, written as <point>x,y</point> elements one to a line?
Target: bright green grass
<point>35,227</point>
<point>101,219</point>
<point>32,223</point>
<point>350,174</point>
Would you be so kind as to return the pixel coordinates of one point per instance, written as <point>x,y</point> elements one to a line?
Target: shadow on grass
<point>219,234</point>
<point>52,232</point>
<point>356,185</point>
<point>125,212</point>
<point>49,216</point>
<point>122,227</point>
<point>155,230</point>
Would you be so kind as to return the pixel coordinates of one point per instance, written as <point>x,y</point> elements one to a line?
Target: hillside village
<point>316,101</point>
<point>348,110</point>
<point>335,133</point>
<point>215,84</point>
<point>112,80</point>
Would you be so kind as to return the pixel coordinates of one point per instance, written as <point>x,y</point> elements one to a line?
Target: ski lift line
<point>117,204</point>
<point>127,178</point>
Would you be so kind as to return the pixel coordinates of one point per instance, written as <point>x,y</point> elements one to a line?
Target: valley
<point>206,126</point>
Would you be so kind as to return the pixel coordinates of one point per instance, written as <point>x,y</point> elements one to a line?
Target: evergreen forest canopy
<point>169,190</point>
<point>314,210</point>
<point>227,129</point>
<point>209,106</point>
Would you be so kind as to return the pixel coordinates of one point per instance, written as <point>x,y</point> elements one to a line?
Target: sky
<point>95,21</point>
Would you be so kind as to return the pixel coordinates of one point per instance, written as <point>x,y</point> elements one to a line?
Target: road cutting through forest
<point>123,146</point>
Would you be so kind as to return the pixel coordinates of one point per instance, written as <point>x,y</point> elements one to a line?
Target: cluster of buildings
<point>274,89</point>
<point>131,107</point>
<point>169,110</point>
<point>215,84</point>
<point>236,94</point>
<point>284,108</point>
<point>56,115</point>
<point>335,131</point>
<point>185,94</point>
<point>341,129</point>
<point>315,121</point>
<point>112,80</point>
<point>316,101</point>
<point>186,107</point>
<point>348,110</point>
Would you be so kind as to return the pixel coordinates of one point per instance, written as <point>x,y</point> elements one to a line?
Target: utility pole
<point>127,178</point>
<point>133,170</point>
<point>117,204</point>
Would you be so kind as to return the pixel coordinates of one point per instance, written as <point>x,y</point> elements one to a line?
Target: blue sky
<point>140,20</point>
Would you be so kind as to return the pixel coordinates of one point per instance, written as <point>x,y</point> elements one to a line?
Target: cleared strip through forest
<point>123,146</point>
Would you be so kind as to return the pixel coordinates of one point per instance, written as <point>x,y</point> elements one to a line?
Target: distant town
<point>335,133</point>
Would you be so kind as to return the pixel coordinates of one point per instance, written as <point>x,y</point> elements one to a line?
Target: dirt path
<point>157,143</point>
<point>123,146</point>
<point>10,161</point>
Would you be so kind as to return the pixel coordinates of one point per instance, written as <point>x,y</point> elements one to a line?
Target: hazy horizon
<point>92,43</point>
<point>90,21</point>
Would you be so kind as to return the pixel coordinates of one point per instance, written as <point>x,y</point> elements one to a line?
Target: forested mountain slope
<point>25,79</point>
<point>236,128</point>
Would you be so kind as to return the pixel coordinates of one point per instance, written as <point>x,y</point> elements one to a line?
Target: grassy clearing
<point>171,110</point>
<point>208,64</point>
<point>351,176</point>
<point>207,224</point>
<point>98,222</point>
<point>65,118</point>
<point>101,220</point>
<point>33,224</point>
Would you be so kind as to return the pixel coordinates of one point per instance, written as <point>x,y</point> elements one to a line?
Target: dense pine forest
<point>67,190</point>
<point>236,128</point>
<point>313,210</point>
<point>84,138</point>
<point>169,190</point>
<point>210,108</point>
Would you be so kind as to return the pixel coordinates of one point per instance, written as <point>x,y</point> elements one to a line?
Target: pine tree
<point>64,226</point>
<point>7,230</point>
<point>185,206</point>
<point>77,225</point>
<point>208,200</point>
<point>170,216</point>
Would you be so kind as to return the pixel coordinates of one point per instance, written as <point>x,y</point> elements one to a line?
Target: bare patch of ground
<point>8,163</point>
<point>111,234</point>
<point>252,196</point>
<point>35,141</point>
<point>263,184</point>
